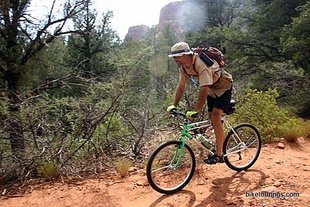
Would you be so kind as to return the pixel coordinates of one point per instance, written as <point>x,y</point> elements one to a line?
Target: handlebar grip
<point>175,112</point>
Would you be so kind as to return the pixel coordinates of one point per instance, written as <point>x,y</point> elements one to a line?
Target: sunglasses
<point>176,57</point>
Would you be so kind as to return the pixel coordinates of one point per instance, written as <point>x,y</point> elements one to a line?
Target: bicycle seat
<point>232,102</point>
<point>231,108</point>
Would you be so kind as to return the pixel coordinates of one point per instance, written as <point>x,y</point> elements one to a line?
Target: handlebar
<point>228,111</point>
<point>174,112</point>
<point>178,113</point>
<point>195,126</point>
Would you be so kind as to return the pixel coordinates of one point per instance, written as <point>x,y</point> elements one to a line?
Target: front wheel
<point>170,167</point>
<point>241,147</point>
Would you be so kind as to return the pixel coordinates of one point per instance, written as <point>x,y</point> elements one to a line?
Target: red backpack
<point>210,52</point>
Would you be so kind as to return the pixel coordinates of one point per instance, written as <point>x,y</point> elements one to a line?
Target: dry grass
<point>123,166</point>
<point>48,170</point>
<point>291,133</point>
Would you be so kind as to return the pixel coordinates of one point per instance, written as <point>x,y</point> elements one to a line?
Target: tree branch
<point>50,85</point>
<point>99,120</point>
<point>3,56</point>
<point>2,70</point>
<point>37,44</point>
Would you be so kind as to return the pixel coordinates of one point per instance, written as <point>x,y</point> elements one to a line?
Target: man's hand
<point>191,114</point>
<point>171,108</point>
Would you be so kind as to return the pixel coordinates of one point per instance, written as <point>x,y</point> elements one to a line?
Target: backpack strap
<point>195,82</point>
<point>221,74</point>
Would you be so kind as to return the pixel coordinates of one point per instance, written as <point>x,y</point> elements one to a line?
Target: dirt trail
<point>277,170</point>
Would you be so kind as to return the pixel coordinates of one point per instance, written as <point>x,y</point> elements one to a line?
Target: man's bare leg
<point>218,129</point>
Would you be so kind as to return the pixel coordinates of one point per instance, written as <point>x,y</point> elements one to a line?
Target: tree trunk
<point>16,138</point>
<point>15,129</point>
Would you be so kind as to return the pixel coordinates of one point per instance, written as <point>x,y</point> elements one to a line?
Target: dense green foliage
<point>74,100</point>
<point>295,38</point>
<point>262,110</point>
<point>267,46</point>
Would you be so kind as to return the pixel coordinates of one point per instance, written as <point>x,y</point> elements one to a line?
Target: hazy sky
<point>126,12</point>
<point>132,12</point>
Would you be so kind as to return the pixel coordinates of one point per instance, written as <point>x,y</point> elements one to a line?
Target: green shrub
<point>112,133</point>
<point>261,109</point>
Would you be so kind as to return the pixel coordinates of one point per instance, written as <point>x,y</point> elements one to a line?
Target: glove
<point>191,114</point>
<point>171,108</point>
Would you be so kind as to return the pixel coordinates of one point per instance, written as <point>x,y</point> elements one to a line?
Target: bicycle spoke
<point>254,140</point>
<point>242,147</point>
<point>161,168</point>
<point>167,176</point>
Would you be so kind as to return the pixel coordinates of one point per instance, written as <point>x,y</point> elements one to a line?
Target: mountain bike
<point>172,164</point>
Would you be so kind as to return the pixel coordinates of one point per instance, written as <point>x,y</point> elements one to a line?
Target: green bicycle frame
<point>179,151</point>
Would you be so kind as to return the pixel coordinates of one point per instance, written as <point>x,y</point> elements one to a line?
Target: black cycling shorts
<point>222,102</point>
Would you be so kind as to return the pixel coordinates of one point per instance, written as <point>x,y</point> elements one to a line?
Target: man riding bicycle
<point>215,88</point>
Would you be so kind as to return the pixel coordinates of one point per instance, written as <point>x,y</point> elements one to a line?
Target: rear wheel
<point>169,168</point>
<point>242,147</point>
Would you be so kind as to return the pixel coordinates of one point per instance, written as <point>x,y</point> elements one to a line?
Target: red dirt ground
<point>277,170</point>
